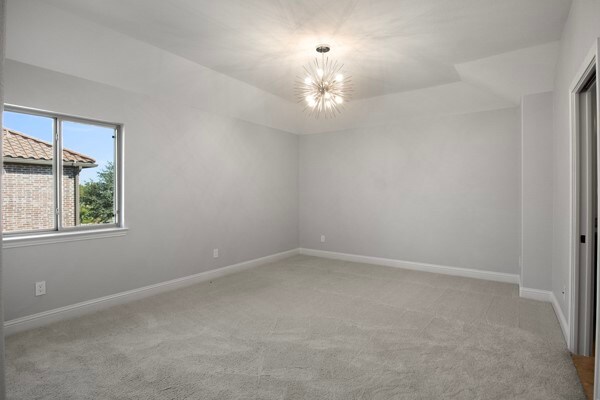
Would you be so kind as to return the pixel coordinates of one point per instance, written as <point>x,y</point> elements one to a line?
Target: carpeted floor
<point>305,328</point>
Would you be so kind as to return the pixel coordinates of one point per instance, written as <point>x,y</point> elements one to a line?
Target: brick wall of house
<point>70,203</point>
<point>28,197</point>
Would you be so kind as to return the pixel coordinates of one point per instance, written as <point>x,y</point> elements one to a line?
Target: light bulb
<point>339,99</point>
<point>308,81</point>
<point>339,77</point>
<point>320,72</point>
<point>311,101</point>
<point>327,95</point>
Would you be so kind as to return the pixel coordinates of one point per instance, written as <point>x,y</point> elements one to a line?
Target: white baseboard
<point>535,294</point>
<point>438,269</point>
<point>548,297</point>
<point>86,307</point>
<point>564,324</point>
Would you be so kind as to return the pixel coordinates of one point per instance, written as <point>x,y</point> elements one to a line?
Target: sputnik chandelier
<point>323,88</point>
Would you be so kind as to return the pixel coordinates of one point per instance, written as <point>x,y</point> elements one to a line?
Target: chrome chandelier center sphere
<point>324,87</point>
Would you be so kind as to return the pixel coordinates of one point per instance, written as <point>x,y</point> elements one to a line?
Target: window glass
<point>88,190</point>
<point>28,190</point>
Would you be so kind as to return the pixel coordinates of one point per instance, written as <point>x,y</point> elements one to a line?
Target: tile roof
<point>20,146</point>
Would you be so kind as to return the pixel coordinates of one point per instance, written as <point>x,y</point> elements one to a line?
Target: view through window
<point>46,192</point>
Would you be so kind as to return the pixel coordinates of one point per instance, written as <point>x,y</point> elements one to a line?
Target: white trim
<point>86,307</point>
<point>9,242</point>
<point>536,294</point>
<point>417,266</point>
<point>589,60</point>
<point>548,296</point>
<point>564,324</point>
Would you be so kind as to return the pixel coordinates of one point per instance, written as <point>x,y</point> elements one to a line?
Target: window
<point>60,173</point>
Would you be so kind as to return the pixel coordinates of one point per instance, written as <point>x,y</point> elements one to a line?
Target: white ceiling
<point>388,46</point>
<point>514,74</point>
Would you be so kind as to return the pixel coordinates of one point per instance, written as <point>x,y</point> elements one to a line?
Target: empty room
<point>299,199</point>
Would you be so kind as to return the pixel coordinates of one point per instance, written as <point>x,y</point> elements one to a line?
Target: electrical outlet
<point>322,238</point>
<point>40,288</point>
<point>215,253</point>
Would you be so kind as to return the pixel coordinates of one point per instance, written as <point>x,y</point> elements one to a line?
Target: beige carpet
<point>305,328</point>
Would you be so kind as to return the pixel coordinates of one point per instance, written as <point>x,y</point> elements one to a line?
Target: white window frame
<point>80,232</point>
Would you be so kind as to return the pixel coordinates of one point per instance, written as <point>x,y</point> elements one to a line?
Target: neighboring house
<point>28,195</point>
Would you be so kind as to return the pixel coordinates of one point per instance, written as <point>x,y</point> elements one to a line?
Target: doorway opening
<point>588,214</point>
<point>584,278</point>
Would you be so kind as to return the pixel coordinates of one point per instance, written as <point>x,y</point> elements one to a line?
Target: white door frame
<point>590,63</point>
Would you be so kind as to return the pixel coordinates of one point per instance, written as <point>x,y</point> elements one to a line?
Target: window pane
<point>28,182</point>
<point>88,190</point>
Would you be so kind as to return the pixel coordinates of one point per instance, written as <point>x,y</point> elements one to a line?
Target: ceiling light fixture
<point>323,88</point>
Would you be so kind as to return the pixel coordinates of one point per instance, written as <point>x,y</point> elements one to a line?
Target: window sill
<point>56,237</point>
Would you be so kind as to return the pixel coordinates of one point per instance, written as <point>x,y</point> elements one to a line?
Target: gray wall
<point>194,181</point>
<point>580,34</point>
<point>440,190</point>
<point>536,191</point>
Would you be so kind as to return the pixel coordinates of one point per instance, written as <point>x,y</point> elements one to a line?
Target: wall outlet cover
<point>40,288</point>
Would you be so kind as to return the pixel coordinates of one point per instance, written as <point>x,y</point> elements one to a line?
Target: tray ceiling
<point>388,46</point>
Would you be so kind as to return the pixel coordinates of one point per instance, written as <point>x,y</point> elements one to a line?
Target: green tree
<point>96,198</point>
